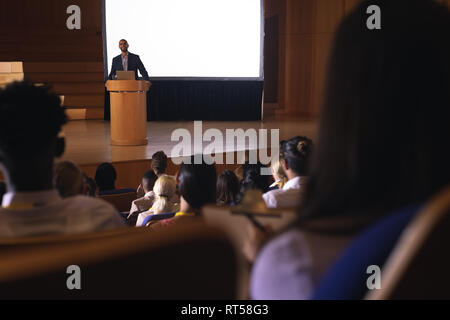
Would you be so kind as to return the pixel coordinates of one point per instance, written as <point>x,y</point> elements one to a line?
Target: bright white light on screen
<point>188,38</point>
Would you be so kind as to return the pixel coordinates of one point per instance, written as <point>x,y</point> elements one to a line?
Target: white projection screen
<point>189,39</point>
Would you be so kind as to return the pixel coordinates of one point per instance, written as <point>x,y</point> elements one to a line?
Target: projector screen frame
<point>261,56</point>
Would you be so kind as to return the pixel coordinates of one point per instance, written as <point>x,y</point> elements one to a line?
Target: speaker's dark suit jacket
<point>134,64</point>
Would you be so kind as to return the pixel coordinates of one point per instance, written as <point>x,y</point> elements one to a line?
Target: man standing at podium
<point>127,61</point>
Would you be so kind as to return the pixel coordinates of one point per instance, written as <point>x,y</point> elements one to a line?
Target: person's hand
<point>140,191</point>
<point>255,239</point>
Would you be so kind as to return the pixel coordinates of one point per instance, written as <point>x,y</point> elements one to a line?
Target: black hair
<point>197,183</point>
<point>297,151</point>
<point>253,179</point>
<point>105,177</point>
<point>148,180</point>
<point>159,162</point>
<point>384,124</point>
<point>91,186</point>
<point>2,190</point>
<point>227,188</point>
<point>30,119</point>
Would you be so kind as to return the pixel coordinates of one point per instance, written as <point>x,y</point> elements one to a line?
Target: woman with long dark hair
<point>382,140</point>
<point>227,188</point>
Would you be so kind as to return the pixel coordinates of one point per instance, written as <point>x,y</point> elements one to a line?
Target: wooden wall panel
<point>278,8</point>
<point>303,63</point>
<point>299,18</point>
<point>321,50</point>
<point>350,5</point>
<point>36,31</point>
<point>71,61</point>
<point>327,15</point>
<point>298,72</point>
<point>310,27</point>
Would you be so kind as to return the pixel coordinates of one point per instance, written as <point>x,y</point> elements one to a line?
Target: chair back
<point>157,217</point>
<point>418,266</point>
<point>185,262</point>
<point>122,201</point>
<point>408,246</point>
<point>347,278</point>
<point>15,243</point>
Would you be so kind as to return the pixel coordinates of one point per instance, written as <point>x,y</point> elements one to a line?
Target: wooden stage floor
<point>88,142</point>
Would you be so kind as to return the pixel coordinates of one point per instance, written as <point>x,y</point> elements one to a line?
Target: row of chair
<point>183,262</point>
<point>203,261</point>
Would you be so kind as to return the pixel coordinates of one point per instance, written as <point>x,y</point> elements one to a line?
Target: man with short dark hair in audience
<point>105,178</point>
<point>159,166</point>
<point>144,203</point>
<point>30,119</point>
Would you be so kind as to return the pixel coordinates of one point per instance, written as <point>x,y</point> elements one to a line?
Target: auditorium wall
<point>72,60</point>
<point>306,30</point>
<point>35,32</point>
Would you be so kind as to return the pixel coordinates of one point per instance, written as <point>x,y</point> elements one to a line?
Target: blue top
<point>156,217</point>
<point>347,278</point>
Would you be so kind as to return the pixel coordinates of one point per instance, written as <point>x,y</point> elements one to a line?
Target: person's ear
<point>60,147</point>
<point>284,165</point>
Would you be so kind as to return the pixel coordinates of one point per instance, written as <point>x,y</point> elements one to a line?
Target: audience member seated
<point>159,163</point>
<point>295,155</point>
<point>159,167</point>
<point>30,119</point>
<point>153,218</point>
<point>105,178</point>
<point>227,188</point>
<point>91,186</point>
<point>252,180</point>
<point>145,202</point>
<point>278,176</point>
<point>239,172</point>
<point>197,187</point>
<point>164,193</point>
<point>381,144</point>
<point>68,179</point>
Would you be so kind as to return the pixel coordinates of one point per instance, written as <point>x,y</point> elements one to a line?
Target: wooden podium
<point>128,111</point>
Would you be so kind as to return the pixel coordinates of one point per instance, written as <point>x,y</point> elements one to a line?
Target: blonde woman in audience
<point>278,175</point>
<point>295,155</point>
<point>197,187</point>
<point>164,191</point>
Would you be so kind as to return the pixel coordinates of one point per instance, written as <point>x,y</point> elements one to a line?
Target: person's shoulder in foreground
<point>288,254</point>
<point>73,215</point>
